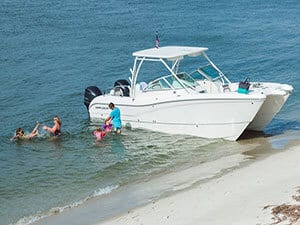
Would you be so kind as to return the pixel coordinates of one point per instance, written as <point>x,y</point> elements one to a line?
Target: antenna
<point>156,40</point>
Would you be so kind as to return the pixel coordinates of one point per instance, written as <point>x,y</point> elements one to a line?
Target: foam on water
<point>53,211</point>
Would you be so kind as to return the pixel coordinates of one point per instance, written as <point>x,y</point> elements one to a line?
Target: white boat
<point>202,103</point>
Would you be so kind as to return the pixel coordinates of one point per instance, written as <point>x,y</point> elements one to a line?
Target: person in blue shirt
<point>115,117</point>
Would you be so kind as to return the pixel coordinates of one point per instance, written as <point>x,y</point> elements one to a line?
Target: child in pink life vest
<point>99,133</point>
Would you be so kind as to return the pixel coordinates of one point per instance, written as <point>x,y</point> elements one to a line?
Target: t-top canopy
<point>170,52</point>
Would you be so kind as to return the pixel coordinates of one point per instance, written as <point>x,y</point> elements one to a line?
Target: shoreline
<point>127,199</point>
<point>246,195</point>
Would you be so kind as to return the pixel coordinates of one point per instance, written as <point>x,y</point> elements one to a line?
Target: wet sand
<point>262,192</point>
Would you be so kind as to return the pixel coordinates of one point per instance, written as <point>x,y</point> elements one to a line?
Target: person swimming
<point>20,134</point>
<point>55,130</point>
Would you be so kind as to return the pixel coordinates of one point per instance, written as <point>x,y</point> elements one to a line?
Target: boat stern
<point>276,96</point>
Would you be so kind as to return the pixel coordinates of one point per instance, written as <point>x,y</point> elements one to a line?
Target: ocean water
<point>52,50</point>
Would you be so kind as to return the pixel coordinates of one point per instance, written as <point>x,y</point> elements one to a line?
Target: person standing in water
<point>115,117</point>
<point>55,130</point>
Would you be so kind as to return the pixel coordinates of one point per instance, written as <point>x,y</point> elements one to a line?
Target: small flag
<point>156,40</point>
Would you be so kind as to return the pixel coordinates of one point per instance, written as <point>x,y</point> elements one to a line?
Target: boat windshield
<point>158,84</point>
<point>209,73</point>
<point>206,72</point>
<point>182,80</point>
<point>187,80</point>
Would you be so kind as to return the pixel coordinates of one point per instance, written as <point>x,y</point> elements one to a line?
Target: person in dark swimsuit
<point>55,130</point>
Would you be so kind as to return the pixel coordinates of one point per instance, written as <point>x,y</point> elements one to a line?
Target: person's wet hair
<point>111,105</point>
<point>19,131</point>
<point>57,119</point>
<point>99,129</point>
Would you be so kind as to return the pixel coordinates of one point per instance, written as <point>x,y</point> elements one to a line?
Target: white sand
<point>237,197</point>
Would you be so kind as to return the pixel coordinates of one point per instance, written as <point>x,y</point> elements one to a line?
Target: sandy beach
<point>264,192</point>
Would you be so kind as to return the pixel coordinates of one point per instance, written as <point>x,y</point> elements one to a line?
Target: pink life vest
<point>99,134</point>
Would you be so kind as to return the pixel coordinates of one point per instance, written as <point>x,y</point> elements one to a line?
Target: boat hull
<point>209,116</point>
<point>276,96</point>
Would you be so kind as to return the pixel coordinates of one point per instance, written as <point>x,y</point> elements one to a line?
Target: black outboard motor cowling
<point>121,82</point>
<point>90,93</point>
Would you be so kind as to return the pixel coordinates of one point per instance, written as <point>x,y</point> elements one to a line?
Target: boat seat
<point>143,85</point>
<point>140,86</point>
<point>120,91</point>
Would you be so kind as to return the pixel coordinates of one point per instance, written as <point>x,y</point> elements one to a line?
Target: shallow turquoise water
<point>52,50</point>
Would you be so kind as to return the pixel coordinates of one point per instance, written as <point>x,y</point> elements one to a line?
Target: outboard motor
<point>123,85</point>
<point>90,93</point>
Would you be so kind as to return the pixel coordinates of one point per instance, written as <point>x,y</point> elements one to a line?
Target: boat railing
<point>163,83</point>
<point>180,81</point>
